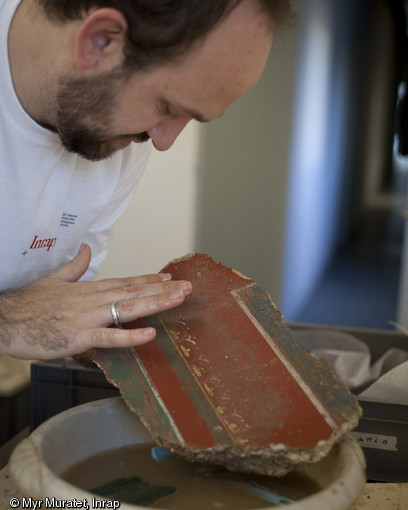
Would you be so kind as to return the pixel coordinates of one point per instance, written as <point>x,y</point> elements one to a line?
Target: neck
<point>35,61</point>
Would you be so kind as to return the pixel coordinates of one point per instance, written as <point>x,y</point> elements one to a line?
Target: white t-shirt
<point>52,200</point>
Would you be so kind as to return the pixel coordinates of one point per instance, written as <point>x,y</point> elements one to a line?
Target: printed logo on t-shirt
<point>43,243</point>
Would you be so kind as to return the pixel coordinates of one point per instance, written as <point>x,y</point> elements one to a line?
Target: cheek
<point>133,117</point>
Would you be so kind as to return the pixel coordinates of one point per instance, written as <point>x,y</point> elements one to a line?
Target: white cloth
<point>52,200</point>
<point>350,359</point>
<point>390,388</point>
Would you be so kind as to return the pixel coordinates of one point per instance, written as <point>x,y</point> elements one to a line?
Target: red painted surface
<point>174,396</point>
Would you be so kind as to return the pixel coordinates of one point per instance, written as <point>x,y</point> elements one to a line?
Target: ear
<point>100,40</point>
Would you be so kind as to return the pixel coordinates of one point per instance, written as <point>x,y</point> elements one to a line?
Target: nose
<point>164,134</point>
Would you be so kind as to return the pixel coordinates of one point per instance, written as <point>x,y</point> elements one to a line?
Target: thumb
<point>77,267</point>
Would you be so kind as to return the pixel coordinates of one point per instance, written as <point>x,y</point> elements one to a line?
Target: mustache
<point>141,137</point>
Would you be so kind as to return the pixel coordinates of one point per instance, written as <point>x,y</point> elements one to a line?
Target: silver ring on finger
<point>115,315</point>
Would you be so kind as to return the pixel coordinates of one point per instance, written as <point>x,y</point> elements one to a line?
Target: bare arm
<point>60,316</point>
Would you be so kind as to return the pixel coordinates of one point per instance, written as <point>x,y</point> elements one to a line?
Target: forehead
<point>221,67</point>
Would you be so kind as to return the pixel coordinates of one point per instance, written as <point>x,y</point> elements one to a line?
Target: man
<point>80,81</point>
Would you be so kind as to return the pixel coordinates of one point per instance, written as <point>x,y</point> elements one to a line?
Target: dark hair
<point>160,30</point>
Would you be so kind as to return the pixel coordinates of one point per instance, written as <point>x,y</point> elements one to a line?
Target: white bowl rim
<point>40,481</point>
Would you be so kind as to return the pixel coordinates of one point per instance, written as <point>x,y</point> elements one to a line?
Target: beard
<point>85,108</point>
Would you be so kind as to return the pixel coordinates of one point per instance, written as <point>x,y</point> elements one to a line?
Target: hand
<point>60,316</point>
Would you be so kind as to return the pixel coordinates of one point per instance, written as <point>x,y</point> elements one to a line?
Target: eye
<point>165,109</point>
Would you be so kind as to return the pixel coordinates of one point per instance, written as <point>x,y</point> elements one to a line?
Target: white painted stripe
<point>157,396</point>
<point>304,387</point>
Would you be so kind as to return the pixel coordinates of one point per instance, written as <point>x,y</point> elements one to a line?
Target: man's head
<point>144,68</point>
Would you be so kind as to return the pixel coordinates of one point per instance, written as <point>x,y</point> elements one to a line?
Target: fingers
<point>88,304</point>
<point>77,267</point>
<point>106,338</point>
<point>129,282</point>
<point>150,289</point>
<point>149,300</point>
